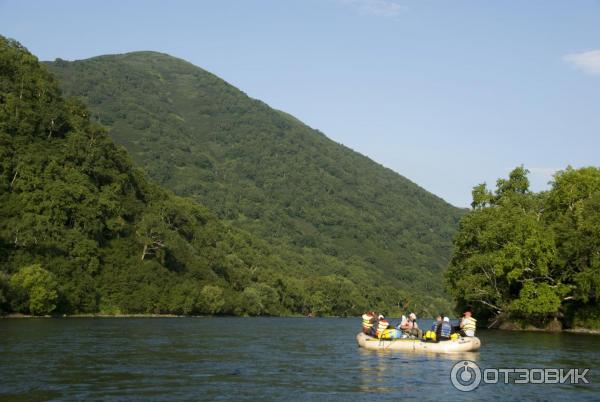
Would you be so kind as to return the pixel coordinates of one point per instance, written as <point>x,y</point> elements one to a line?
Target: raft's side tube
<point>466,344</point>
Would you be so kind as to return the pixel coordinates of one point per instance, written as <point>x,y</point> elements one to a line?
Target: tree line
<point>531,257</point>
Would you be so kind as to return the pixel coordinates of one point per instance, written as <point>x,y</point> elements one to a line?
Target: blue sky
<point>449,94</point>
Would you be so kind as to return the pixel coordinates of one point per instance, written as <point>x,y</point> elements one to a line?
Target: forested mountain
<point>322,206</point>
<point>82,230</point>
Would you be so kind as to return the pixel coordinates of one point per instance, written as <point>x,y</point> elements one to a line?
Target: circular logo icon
<point>465,375</point>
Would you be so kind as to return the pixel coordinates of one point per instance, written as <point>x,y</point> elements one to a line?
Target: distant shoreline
<point>583,331</point>
<point>18,316</point>
<point>553,326</point>
<point>100,315</point>
<point>588,331</point>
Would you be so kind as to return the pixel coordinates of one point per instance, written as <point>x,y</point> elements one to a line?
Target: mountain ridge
<point>283,112</point>
<point>85,231</point>
<point>264,170</point>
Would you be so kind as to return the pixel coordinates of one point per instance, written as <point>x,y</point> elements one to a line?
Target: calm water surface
<point>261,359</point>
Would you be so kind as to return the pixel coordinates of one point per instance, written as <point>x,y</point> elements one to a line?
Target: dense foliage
<point>531,256</point>
<point>82,231</point>
<point>318,203</point>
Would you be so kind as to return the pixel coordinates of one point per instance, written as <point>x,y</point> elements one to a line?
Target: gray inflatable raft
<point>467,344</point>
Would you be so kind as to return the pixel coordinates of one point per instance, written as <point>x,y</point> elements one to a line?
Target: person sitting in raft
<point>431,335</point>
<point>410,326</point>
<point>368,321</point>
<point>438,321</point>
<point>468,324</point>
<point>443,330</point>
<point>382,325</point>
<point>402,319</point>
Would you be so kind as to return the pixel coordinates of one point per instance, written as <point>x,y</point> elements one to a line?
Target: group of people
<point>376,325</point>
<point>441,330</point>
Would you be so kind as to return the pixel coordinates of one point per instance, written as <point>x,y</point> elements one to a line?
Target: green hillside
<point>82,231</point>
<point>322,206</point>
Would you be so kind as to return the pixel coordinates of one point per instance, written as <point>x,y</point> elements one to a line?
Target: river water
<point>263,359</point>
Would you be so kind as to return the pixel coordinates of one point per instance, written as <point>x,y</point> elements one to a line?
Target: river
<point>263,359</point>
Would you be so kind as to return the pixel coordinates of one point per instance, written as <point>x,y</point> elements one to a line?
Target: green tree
<point>500,246</point>
<point>573,213</point>
<point>259,299</point>
<point>34,290</point>
<point>211,300</point>
<point>250,302</point>
<point>537,298</point>
<point>527,255</point>
<point>4,291</point>
<point>185,298</point>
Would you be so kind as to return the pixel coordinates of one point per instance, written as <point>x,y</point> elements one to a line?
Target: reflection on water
<point>261,359</point>
<point>384,371</point>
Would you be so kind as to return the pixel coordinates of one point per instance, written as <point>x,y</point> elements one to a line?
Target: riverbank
<point>17,316</point>
<point>101,315</point>
<point>505,326</point>
<point>530,328</point>
<point>552,326</point>
<point>590,331</point>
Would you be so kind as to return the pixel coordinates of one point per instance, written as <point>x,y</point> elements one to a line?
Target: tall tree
<point>529,255</point>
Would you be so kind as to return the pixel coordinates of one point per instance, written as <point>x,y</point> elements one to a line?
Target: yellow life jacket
<point>429,335</point>
<point>390,333</point>
<point>381,326</point>
<point>367,321</point>
<point>469,324</point>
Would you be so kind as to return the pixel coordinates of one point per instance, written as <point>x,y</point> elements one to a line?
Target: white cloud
<point>380,8</point>
<point>588,62</point>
